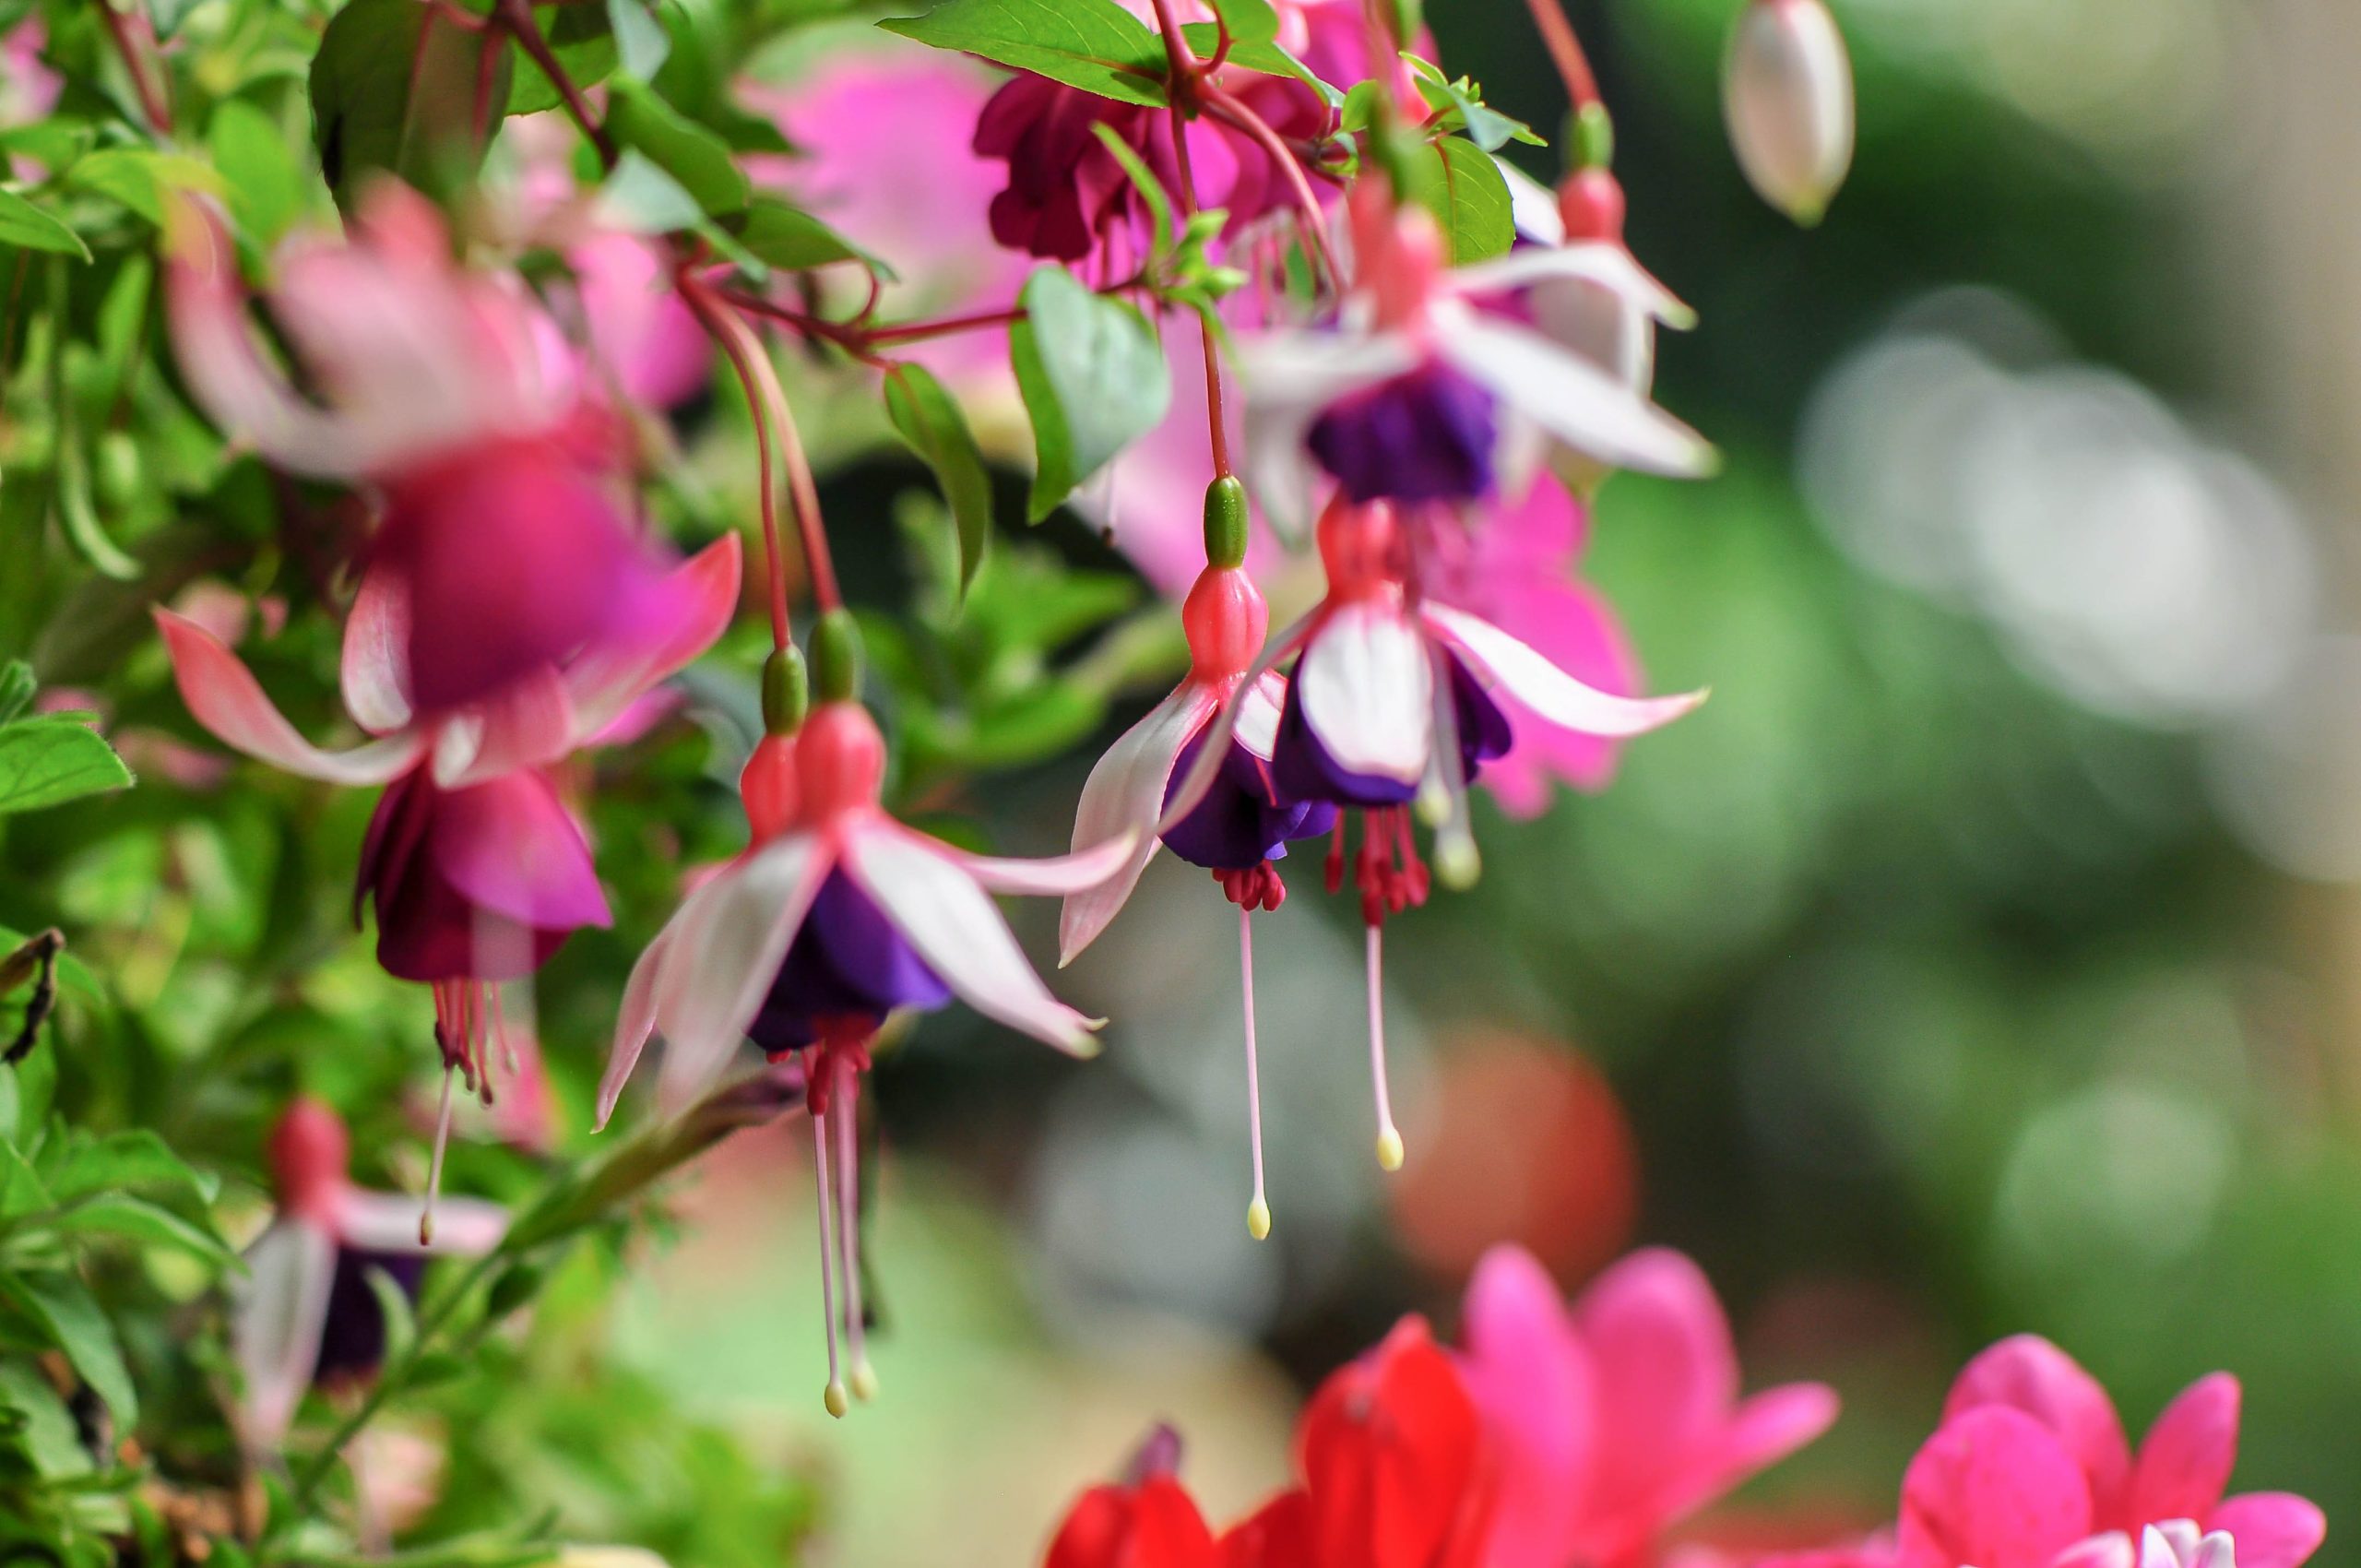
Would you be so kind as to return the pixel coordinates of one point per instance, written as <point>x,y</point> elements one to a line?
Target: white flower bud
<point>1787,93</point>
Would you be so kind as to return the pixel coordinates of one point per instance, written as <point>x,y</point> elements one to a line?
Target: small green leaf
<point>1144,180</point>
<point>780,234</point>
<point>1266,54</point>
<point>51,759</point>
<point>582,39</point>
<point>17,688</point>
<point>63,1309</point>
<point>1093,377</point>
<point>398,88</point>
<point>1250,21</point>
<point>1458,181</point>
<point>1093,44</point>
<point>694,156</point>
<point>136,1220</point>
<point>135,1158</point>
<point>929,418</point>
<point>641,43</point>
<point>641,198</point>
<point>393,1301</point>
<point>23,225</point>
<point>138,178</point>
<point>22,1192</point>
<point>259,164</point>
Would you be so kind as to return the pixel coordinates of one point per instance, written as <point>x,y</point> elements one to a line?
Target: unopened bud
<point>1225,522</point>
<point>787,691</point>
<point>836,657</point>
<point>1788,94</point>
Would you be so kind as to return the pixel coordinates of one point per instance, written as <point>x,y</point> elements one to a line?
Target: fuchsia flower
<point>447,392</point>
<point>834,918</point>
<point>1416,395</point>
<point>1615,1418</point>
<point>1243,820</point>
<point>306,1314</point>
<point>1147,1520</point>
<point>1393,700</point>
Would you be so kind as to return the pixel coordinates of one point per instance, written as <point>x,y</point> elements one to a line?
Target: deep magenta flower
<point>834,916</point>
<point>305,1313</point>
<point>450,392</point>
<point>1615,1417</point>
<point>1066,191</point>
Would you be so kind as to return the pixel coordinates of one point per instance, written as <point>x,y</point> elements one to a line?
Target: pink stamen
<point>833,1396</point>
<point>1258,1212</point>
<point>435,1164</point>
<point>846,1118</point>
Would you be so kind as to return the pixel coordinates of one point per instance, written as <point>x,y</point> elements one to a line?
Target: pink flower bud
<point>1787,93</point>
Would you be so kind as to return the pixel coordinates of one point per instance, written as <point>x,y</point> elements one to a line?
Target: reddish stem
<point>1236,114</point>
<point>1187,76</point>
<point>1566,50</point>
<point>516,16</point>
<point>734,349</point>
<point>128,33</point>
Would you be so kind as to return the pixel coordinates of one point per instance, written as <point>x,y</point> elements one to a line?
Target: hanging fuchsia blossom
<point>836,917</point>
<point>1244,820</point>
<point>306,1314</point>
<point>1619,1415</point>
<point>1416,395</point>
<point>1394,701</point>
<point>447,391</point>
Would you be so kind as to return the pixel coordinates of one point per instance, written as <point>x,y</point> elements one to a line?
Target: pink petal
<point>1572,628</point>
<point>2185,1462</point>
<point>1548,691</point>
<point>1667,1374</point>
<point>1608,264</point>
<point>511,847</point>
<point>698,602</point>
<point>634,1021</point>
<point>2274,1529</point>
<point>2110,1549</point>
<point>1529,1376</point>
<point>729,939</point>
<point>1993,1488</point>
<point>952,924</point>
<point>376,656</point>
<point>2034,1375</point>
<point>529,722</point>
<point>1051,876</point>
<point>1366,688</point>
<point>275,1324</point>
<point>388,1222</point>
<point>1122,795</point>
<point>1572,400</point>
<point>223,695</point>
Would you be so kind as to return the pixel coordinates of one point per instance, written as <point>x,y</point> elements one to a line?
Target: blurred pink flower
<point>1618,1416</point>
<point>640,332</point>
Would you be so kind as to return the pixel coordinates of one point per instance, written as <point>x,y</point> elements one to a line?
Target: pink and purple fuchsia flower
<point>834,918</point>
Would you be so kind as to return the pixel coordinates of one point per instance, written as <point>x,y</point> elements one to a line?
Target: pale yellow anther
<point>835,1399</point>
<point>1389,1149</point>
<point>1258,1220</point>
<point>864,1381</point>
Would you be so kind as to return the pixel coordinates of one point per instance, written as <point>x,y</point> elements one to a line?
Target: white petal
<point>1123,794</point>
<point>2215,1550</point>
<point>1367,686</point>
<point>1788,94</point>
<point>388,1222</point>
<point>606,679</point>
<point>1521,672</point>
<point>1533,207</point>
<point>634,1021</point>
<point>1207,766</point>
<point>1577,402</point>
<point>223,695</point>
<point>952,924</point>
<point>275,1324</point>
<point>731,938</point>
<point>376,654</point>
<point>1258,713</point>
<point>1606,263</point>
<point>2111,1549</point>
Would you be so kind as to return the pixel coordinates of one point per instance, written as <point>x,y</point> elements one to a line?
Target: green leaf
<point>780,234</point>
<point>401,1323</point>
<point>136,1220</point>
<point>929,418</point>
<point>47,1431</point>
<point>582,39</point>
<point>259,164</point>
<point>54,144</point>
<point>641,198</point>
<point>1266,55</point>
<point>1093,378</point>
<point>136,1157</point>
<point>63,1309</point>
<point>1093,44</point>
<point>138,178</point>
<point>694,156</point>
<point>25,225</point>
<point>22,1191</point>
<point>50,760</point>
<point>1250,21</point>
<point>641,43</point>
<point>1458,181</point>
<point>17,688</point>
<point>398,89</point>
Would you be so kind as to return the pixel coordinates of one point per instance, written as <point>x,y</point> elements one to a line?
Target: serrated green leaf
<point>700,160</point>
<point>51,759</point>
<point>1093,378</point>
<point>26,226</point>
<point>398,89</point>
<point>62,1306</point>
<point>930,419</point>
<point>1458,181</point>
<point>1092,44</point>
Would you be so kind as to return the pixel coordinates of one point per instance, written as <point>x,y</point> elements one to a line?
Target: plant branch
<point>516,16</point>
<point>1566,52</point>
<point>134,37</point>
